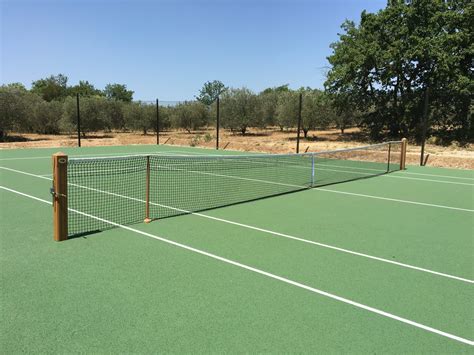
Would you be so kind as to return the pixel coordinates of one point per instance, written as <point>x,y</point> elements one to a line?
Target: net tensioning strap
<point>129,189</point>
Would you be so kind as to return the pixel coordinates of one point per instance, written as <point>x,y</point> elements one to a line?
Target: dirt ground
<point>268,141</point>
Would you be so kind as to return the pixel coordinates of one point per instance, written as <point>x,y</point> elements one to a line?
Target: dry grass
<point>268,141</point>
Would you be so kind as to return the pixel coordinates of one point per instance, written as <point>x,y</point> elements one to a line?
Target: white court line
<point>431,180</point>
<point>394,200</point>
<point>268,274</point>
<point>385,176</point>
<point>444,176</point>
<point>408,266</point>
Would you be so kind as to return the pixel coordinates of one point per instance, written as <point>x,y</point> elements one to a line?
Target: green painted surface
<point>119,291</point>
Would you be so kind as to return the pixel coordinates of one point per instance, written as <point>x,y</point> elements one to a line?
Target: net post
<point>147,200</point>
<point>59,192</point>
<point>312,170</point>
<point>403,154</point>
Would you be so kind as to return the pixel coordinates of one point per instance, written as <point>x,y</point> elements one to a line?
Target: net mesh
<point>103,190</point>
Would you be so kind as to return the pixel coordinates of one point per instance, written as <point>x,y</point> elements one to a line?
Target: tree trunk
<point>305,133</point>
<point>342,130</point>
<point>243,130</point>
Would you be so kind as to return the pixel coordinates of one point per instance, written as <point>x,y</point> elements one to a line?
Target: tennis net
<point>131,189</point>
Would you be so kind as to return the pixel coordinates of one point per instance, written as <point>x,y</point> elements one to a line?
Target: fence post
<point>157,122</point>
<point>388,158</point>
<point>59,192</point>
<point>78,121</point>
<point>424,125</point>
<point>299,123</point>
<point>217,122</point>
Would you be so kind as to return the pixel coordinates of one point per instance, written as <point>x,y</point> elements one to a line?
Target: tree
<point>287,110</point>
<point>46,116</point>
<point>139,116</point>
<point>84,89</point>
<point>114,111</point>
<point>316,110</point>
<point>268,103</point>
<point>51,88</point>
<point>239,110</point>
<point>190,116</point>
<point>14,86</point>
<point>14,109</point>
<point>210,92</point>
<point>277,89</point>
<point>93,111</point>
<point>118,92</point>
<point>344,112</point>
<point>384,66</point>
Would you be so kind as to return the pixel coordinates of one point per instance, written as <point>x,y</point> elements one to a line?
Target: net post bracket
<point>147,220</point>
<point>59,193</point>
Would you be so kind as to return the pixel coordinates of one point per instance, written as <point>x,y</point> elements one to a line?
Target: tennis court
<point>366,261</point>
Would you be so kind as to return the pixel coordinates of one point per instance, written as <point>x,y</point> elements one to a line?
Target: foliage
<point>277,89</point>
<point>93,112</point>
<point>46,116</point>
<point>14,105</point>
<point>165,118</point>
<point>287,110</point>
<point>207,138</point>
<point>84,89</point>
<point>118,92</point>
<point>190,116</point>
<point>139,116</point>
<point>210,92</point>
<point>316,112</point>
<point>239,110</point>
<point>114,111</point>
<point>267,107</point>
<point>384,66</point>
<point>52,88</point>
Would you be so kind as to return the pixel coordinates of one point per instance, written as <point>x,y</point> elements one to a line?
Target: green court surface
<point>377,265</point>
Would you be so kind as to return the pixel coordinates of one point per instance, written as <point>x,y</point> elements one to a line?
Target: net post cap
<point>59,154</point>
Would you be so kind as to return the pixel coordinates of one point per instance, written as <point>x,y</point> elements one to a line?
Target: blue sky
<point>168,49</point>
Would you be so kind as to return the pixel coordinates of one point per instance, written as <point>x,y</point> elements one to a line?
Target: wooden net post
<point>403,154</point>
<point>147,203</point>
<point>59,192</point>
